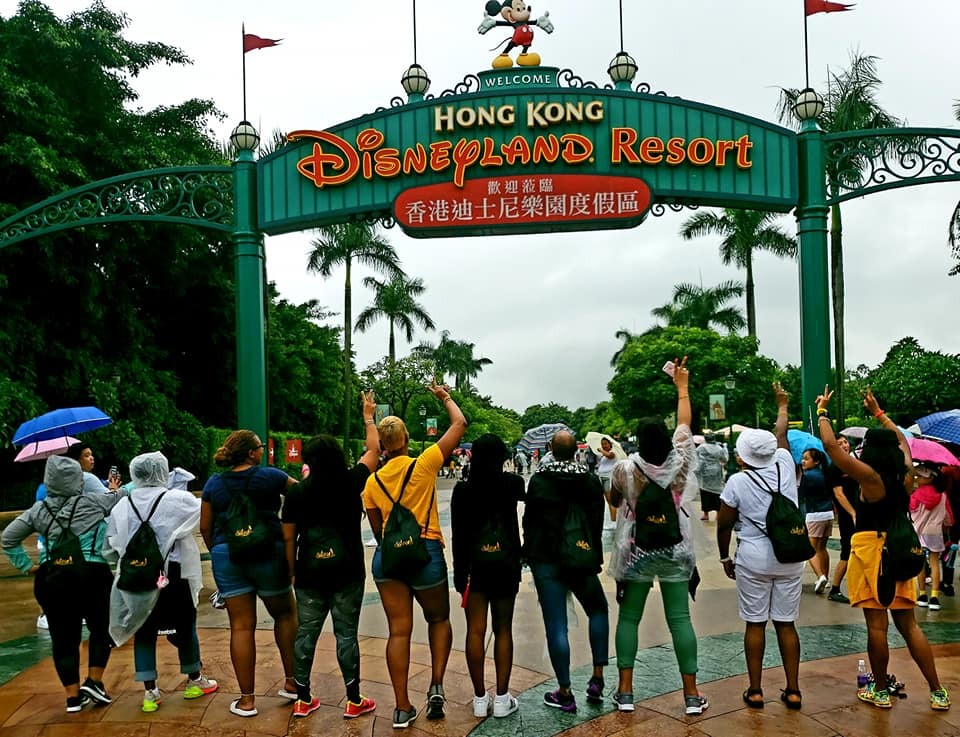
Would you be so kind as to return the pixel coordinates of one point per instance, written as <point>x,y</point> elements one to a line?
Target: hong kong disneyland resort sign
<point>518,152</point>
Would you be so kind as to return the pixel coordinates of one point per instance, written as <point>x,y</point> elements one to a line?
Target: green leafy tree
<point>702,307</point>
<point>345,244</point>
<point>303,364</point>
<point>603,418</point>
<point>639,388</point>
<point>136,318</point>
<point>395,301</point>
<point>401,384</point>
<point>913,382</point>
<point>850,104</point>
<point>540,414</point>
<point>744,232</point>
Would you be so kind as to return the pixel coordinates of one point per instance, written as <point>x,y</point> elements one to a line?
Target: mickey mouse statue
<point>516,15</point>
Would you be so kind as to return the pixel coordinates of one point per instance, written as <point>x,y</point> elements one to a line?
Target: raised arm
<point>371,454</point>
<point>681,378</point>
<point>871,485</point>
<point>780,428</point>
<point>458,423</point>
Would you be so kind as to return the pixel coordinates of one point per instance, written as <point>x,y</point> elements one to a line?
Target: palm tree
<point>743,231</point>
<point>394,300</point>
<point>850,104</point>
<point>703,307</point>
<point>343,244</point>
<point>455,357</point>
<point>627,337</point>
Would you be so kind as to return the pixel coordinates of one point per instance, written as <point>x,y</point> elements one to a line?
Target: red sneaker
<point>364,706</point>
<point>304,709</point>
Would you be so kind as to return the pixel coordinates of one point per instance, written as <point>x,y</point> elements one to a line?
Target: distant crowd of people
<point>296,546</point>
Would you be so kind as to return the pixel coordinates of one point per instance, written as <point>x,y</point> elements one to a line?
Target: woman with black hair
<point>816,499</point>
<point>486,565</point>
<point>665,462</point>
<point>884,472</point>
<point>321,530</point>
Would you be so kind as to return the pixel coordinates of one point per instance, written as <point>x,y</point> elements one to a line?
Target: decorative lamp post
<point>245,137</point>
<point>730,383</point>
<point>808,105</point>
<point>415,82</point>
<point>423,426</point>
<point>622,70</point>
<point>249,270</point>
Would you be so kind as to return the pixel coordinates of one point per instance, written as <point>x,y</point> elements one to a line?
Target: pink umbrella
<point>928,450</point>
<point>40,449</point>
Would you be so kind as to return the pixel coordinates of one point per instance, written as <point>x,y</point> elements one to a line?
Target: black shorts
<point>709,502</point>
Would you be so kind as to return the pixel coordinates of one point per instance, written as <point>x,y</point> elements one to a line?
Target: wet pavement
<point>832,639</point>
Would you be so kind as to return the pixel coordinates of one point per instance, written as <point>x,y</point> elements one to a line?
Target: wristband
<point>822,410</point>
<point>879,413</point>
<point>371,422</point>
<point>726,560</point>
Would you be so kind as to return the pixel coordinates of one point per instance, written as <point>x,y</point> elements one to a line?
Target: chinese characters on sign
<point>523,199</point>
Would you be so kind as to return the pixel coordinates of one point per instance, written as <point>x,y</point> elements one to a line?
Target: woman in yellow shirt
<point>417,479</point>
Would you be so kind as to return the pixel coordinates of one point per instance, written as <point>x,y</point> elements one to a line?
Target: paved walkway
<point>832,639</point>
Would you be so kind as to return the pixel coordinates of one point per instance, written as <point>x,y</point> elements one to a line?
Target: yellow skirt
<point>863,570</point>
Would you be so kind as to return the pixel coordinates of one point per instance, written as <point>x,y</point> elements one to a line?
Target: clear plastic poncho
<point>627,561</point>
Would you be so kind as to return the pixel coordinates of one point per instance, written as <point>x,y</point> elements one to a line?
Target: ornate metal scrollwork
<point>658,209</point>
<point>470,83</point>
<point>195,195</point>
<point>566,78</point>
<point>861,162</point>
<point>395,101</point>
<point>644,89</point>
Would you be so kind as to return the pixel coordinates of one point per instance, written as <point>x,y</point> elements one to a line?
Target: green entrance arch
<point>520,150</point>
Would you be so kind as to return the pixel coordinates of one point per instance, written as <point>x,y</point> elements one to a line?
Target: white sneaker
<point>820,585</point>
<point>42,622</point>
<point>481,706</point>
<point>504,705</point>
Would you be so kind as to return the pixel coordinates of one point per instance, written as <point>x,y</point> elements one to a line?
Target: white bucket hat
<point>757,447</point>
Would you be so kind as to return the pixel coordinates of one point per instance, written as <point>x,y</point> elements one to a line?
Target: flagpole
<point>806,49</point>
<point>243,54</point>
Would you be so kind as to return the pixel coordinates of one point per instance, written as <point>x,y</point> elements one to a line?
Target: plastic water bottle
<point>951,559</point>
<point>862,678</point>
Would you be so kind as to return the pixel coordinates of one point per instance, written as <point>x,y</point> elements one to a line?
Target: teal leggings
<point>675,609</point>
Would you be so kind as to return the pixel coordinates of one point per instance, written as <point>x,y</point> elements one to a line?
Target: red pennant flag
<point>252,42</point>
<point>825,6</point>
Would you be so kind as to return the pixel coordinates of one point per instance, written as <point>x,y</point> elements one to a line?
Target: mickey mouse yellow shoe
<point>531,59</point>
<point>502,62</point>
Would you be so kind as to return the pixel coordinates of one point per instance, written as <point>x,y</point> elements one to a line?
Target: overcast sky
<point>545,308</point>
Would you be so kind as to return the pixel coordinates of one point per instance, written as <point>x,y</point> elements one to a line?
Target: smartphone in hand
<point>669,368</point>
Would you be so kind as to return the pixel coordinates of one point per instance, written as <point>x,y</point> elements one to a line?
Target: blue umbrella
<point>536,438</point>
<point>60,422</point>
<point>943,425</point>
<point>800,441</point>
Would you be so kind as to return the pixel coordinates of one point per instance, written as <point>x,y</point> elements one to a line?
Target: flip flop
<point>235,709</point>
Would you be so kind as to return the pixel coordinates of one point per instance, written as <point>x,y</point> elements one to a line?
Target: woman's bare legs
<point>397,600</point>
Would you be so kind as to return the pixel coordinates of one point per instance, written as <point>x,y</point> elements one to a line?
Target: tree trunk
<point>393,347</point>
<point>751,300</point>
<point>347,358</point>
<point>836,277</point>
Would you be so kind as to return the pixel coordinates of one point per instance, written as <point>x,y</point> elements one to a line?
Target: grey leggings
<point>312,609</point>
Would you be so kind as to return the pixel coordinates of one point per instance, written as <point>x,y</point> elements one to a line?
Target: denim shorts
<point>266,578</point>
<point>432,574</point>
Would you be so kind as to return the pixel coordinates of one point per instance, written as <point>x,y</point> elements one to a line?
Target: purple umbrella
<point>931,451</point>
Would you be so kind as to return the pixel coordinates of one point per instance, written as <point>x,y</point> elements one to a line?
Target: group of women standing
<point>84,530</point>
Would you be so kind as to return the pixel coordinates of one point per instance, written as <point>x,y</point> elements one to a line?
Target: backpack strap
<point>403,488</point>
<point>762,484</point>
<point>53,516</point>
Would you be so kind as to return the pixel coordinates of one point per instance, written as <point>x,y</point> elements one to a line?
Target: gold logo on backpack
<point>661,520</point>
<point>325,554</point>
<point>404,543</point>
<point>246,532</point>
<point>584,545</point>
<point>137,563</point>
<point>798,531</point>
<point>63,561</point>
<point>488,548</point>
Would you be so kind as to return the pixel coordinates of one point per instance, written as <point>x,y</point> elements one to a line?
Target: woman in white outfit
<point>172,607</point>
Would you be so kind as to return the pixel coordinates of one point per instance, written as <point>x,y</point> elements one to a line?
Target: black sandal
<point>785,693</point>
<point>753,703</point>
